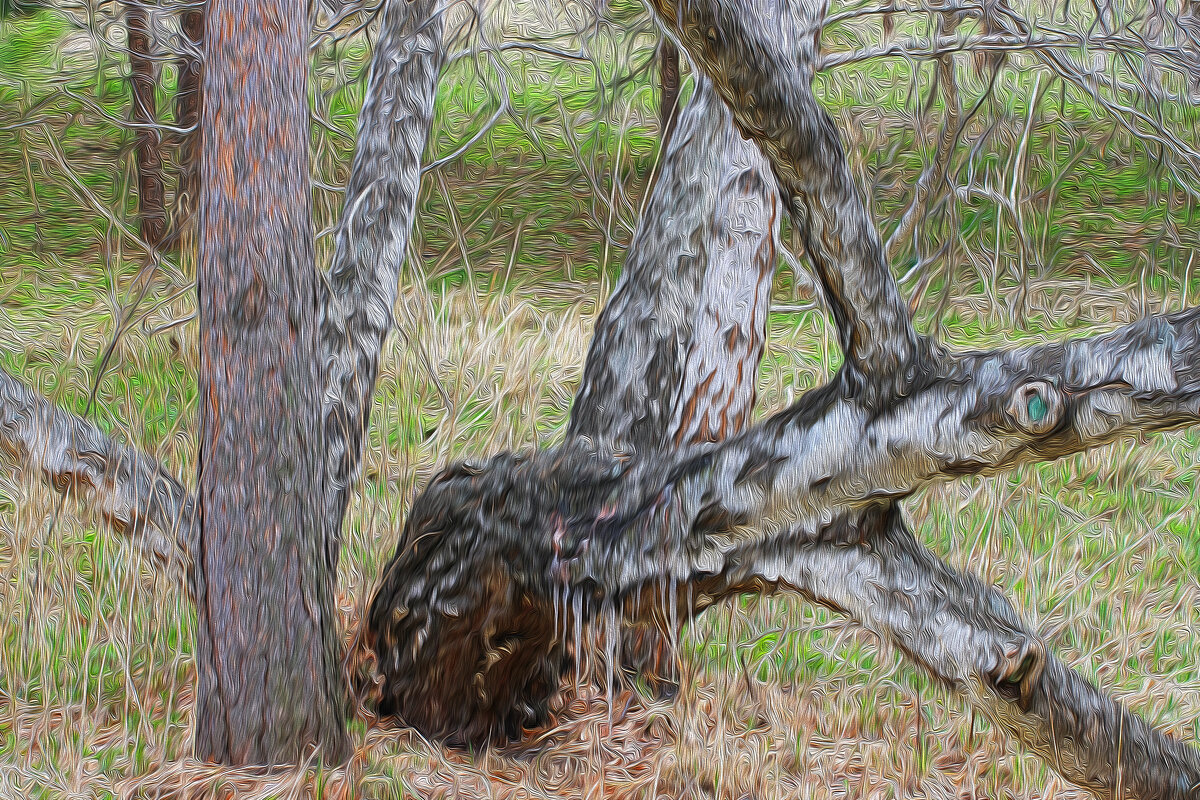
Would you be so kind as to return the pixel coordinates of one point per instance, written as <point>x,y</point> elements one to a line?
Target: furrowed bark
<point>130,489</point>
<point>270,688</point>
<point>152,212</point>
<point>761,56</point>
<point>380,206</point>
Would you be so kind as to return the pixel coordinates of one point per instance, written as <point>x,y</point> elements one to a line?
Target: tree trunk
<point>188,103</point>
<point>381,202</point>
<point>672,365</point>
<point>668,82</point>
<point>501,561</point>
<point>270,683</point>
<point>152,214</point>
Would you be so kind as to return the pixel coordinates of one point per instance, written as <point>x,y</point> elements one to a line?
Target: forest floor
<point>1101,551</point>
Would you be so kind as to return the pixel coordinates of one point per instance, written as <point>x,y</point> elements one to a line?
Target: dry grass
<point>778,699</point>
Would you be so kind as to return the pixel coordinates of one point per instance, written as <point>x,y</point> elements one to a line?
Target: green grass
<point>1101,549</point>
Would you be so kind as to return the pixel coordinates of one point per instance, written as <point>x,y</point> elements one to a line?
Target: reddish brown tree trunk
<point>152,213</point>
<point>270,685</point>
<point>188,102</point>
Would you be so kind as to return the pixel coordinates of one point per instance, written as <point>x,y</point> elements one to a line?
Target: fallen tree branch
<point>131,490</point>
<point>966,635</point>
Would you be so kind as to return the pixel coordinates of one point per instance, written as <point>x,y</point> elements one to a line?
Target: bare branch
<point>370,243</point>
<point>968,636</point>
<point>132,491</point>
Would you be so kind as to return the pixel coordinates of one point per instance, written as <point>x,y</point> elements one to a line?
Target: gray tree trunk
<point>271,688</point>
<point>501,560</point>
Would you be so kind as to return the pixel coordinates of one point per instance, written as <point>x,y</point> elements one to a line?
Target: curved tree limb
<point>377,219</point>
<point>761,57</point>
<point>967,635</point>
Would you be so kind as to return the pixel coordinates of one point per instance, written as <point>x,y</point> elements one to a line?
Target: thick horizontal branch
<point>131,490</point>
<point>977,413</point>
<point>559,534</point>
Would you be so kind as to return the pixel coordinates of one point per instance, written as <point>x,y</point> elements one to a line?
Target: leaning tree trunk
<point>270,682</point>
<point>674,359</point>
<point>152,213</point>
<point>501,560</point>
<point>673,363</point>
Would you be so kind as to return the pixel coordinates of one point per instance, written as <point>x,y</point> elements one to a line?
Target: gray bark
<point>675,353</point>
<point>761,57</point>
<point>764,509</point>
<point>372,235</point>
<point>674,359</point>
<point>132,491</point>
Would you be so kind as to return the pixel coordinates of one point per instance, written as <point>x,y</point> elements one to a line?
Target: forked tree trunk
<point>270,684</point>
<point>501,560</point>
<point>189,100</point>
<point>152,213</point>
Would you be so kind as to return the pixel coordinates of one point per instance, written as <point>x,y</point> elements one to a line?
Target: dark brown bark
<point>668,84</point>
<point>152,213</point>
<point>189,100</point>
<point>270,682</point>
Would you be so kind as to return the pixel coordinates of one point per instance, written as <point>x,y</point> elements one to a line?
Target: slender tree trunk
<point>188,102</point>
<point>152,214</point>
<point>270,683</point>
<point>668,82</point>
